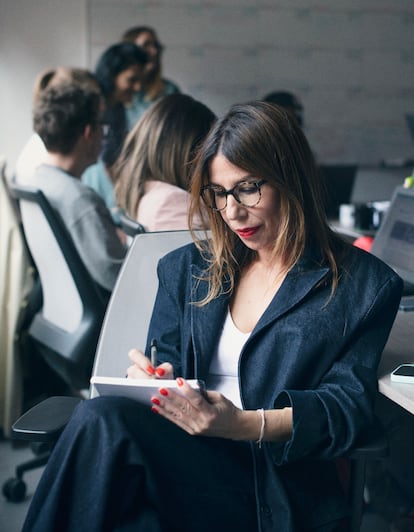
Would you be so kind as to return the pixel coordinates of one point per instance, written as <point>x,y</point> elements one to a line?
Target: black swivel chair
<point>68,325</point>
<point>66,329</point>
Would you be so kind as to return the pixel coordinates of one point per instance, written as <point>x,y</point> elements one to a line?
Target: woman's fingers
<point>142,367</point>
<point>185,406</point>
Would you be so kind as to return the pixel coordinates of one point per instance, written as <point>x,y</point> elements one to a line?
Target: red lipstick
<point>247,232</point>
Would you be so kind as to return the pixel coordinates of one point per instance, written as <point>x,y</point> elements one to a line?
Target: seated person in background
<point>119,71</point>
<point>34,152</point>
<point>286,324</point>
<point>153,85</point>
<point>288,101</point>
<point>153,170</point>
<point>67,118</point>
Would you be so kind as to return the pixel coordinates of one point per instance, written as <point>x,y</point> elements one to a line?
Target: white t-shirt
<point>223,375</point>
<point>30,158</point>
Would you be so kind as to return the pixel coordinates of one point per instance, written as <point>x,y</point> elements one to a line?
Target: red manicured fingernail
<point>150,370</point>
<point>160,372</point>
<point>155,400</point>
<point>164,392</point>
<point>180,381</point>
<point>155,410</point>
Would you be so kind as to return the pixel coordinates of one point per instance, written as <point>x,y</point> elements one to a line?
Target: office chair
<point>121,330</point>
<point>137,283</point>
<point>67,327</point>
<point>65,330</point>
<point>130,227</point>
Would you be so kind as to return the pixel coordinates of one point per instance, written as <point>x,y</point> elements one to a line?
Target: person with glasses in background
<point>153,85</point>
<point>67,116</point>
<point>283,321</point>
<point>34,152</point>
<point>119,71</point>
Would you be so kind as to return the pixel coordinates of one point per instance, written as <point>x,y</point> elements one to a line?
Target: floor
<point>12,514</point>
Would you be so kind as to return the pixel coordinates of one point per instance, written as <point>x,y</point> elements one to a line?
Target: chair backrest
<point>128,314</point>
<point>69,322</point>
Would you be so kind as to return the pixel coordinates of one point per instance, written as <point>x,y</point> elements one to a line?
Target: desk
<point>398,350</point>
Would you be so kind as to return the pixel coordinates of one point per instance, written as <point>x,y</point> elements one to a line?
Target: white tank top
<point>223,373</point>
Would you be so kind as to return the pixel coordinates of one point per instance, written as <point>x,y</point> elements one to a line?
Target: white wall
<point>350,61</point>
<point>33,35</point>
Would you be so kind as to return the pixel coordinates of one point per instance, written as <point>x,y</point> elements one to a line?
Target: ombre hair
<point>161,147</point>
<point>266,142</point>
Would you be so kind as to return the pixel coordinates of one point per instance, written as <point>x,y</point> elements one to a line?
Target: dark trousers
<point>119,466</point>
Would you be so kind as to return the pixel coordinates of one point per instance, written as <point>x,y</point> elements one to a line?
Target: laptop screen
<point>394,241</point>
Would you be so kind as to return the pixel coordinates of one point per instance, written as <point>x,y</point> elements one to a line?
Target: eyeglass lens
<point>247,194</point>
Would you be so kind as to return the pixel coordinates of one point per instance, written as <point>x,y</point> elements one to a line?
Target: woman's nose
<point>234,209</point>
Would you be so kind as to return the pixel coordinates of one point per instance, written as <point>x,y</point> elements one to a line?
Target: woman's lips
<point>246,232</point>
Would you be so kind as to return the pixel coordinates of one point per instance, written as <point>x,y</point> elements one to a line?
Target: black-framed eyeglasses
<point>247,193</point>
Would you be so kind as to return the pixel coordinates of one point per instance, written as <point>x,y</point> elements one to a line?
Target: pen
<point>154,353</point>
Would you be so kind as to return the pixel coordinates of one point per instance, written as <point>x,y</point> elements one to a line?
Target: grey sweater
<point>88,221</point>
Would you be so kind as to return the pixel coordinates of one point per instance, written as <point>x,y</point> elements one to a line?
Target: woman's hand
<point>143,369</point>
<point>205,414</point>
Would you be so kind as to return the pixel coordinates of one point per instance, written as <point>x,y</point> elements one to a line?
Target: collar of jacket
<point>207,321</point>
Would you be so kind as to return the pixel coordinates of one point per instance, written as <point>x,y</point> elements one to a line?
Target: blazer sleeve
<point>328,420</point>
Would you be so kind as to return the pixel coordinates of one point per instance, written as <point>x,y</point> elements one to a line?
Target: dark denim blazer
<point>318,355</point>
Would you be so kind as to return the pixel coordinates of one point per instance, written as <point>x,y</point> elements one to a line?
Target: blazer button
<point>266,510</point>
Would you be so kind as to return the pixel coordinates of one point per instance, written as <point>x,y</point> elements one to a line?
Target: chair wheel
<point>14,489</point>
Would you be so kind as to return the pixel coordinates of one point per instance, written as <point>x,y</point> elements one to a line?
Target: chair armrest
<point>45,421</point>
<point>372,444</point>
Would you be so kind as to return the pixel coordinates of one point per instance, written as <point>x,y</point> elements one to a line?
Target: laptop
<point>394,241</point>
<point>339,181</point>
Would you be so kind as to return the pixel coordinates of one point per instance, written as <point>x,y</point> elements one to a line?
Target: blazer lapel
<point>206,323</point>
<point>297,285</point>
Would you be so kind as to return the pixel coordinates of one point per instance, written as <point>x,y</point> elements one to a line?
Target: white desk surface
<point>399,350</point>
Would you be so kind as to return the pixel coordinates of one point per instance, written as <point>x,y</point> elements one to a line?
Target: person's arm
<point>211,414</point>
<point>97,241</point>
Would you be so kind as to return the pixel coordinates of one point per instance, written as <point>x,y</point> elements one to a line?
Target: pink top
<point>164,207</point>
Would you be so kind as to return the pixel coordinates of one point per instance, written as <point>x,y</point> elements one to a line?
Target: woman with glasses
<point>119,71</point>
<point>283,321</point>
<point>153,85</point>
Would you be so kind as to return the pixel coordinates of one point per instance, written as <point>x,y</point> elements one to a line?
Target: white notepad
<point>139,389</point>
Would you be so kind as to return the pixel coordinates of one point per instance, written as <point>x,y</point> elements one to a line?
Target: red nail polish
<point>164,391</point>
<point>155,410</point>
<point>160,372</point>
<point>150,370</point>
<point>180,381</point>
<point>155,400</point>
